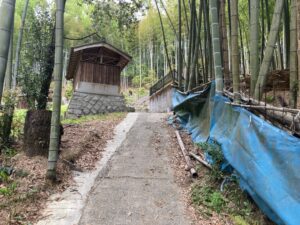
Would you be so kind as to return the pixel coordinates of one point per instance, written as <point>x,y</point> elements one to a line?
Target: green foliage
<point>100,117</point>
<point>233,201</point>
<point>214,151</point>
<point>69,91</point>
<point>238,220</point>
<point>3,176</point>
<point>6,116</point>
<point>9,190</point>
<point>18,122</point>
<point>36,55</point>
<point>8,152</point>
<point>208,197</point>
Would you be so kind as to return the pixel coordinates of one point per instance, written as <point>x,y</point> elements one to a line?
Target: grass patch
<point>9,189</point>
<point>100,117</point>
<point>208,197</point>
<point>133,94</point>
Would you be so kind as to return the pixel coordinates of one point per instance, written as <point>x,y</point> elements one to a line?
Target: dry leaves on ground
<point>81,148</point>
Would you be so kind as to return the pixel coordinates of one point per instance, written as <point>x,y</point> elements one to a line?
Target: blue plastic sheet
<point>266,158</point>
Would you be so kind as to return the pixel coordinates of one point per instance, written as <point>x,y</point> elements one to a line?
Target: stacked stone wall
<point>83,104</point>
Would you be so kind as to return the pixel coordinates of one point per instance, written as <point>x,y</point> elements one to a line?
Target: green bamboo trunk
<point>179,61</point>
<point>254,43</point>
<point>18,48</point>
<point>293,55</point>
<point>235,56</point>
<point>272,39</point>
<point>225,54</point>
<point>9,66</point>
<point>215,33</point>
<point>58,72</point>
<point>7,9</point>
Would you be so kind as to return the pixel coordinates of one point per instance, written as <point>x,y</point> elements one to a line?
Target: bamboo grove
<point>242,45</point>
<point>236,43</point>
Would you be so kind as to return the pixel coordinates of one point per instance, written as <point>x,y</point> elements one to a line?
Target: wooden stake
<point>186,155</point>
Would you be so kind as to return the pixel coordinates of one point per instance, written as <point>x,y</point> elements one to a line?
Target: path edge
<point>66,208</point>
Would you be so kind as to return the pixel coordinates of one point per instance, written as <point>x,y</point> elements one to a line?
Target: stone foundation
<point>83,104</point>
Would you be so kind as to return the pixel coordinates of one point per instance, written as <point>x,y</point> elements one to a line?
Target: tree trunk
<point>216,45</point>
<point>194,48</point>
<point>37,132</point>
<point>179,54</point>
<point>224,43</point>
<point>9,106</point>
<point>19,43</point>
<point>55,119</point>
<point>293,55</point>
<point>272,39</point>
<point>207,39</point>
<point>7,9</point>
<point>190,49</point>
<point>254,43</point>
<point>235,59</point>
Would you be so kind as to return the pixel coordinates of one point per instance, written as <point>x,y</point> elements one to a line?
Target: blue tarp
<point>266,158</point>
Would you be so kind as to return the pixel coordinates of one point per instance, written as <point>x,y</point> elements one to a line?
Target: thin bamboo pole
<point>58,71</point>
<point>293,56</point>
<point>254,43</point>
<point>224,42</point>
<point>217,59</point>
<point>235,56</point>
<point>19,43</point>
<point>179,63</point>
<point>272,39</point>
<point>7,9</point>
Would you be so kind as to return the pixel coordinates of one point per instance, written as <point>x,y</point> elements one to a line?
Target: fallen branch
<point>284,117</point>
<point>200,160</point>
<point>186,155</point>
<point>266,107</point>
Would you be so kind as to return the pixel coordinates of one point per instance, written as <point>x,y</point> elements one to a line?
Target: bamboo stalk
<point>19,43</point>
<point>185,155</point>
<point>272,39</point>
<point>200,160</point>
<point>284,117</point>
<point>293,56</point>
<point>235,55</point>
<point>7,9</point>
<point>254,43</point>
<point>217,59</point>
<point>58,71</point>
<point>280,109</point>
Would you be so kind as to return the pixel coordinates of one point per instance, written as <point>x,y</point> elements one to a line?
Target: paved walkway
<point>138,187</point>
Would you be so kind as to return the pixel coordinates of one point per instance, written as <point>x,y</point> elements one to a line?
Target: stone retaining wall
<point>90,104</point>
<point>161,101</point>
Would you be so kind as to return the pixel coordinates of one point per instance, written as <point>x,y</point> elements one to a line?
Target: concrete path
<point>137,187</point>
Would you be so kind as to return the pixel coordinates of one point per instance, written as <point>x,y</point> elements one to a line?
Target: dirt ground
<point>200,213</point>
<point>145,181</point>
<point>26,190</point>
